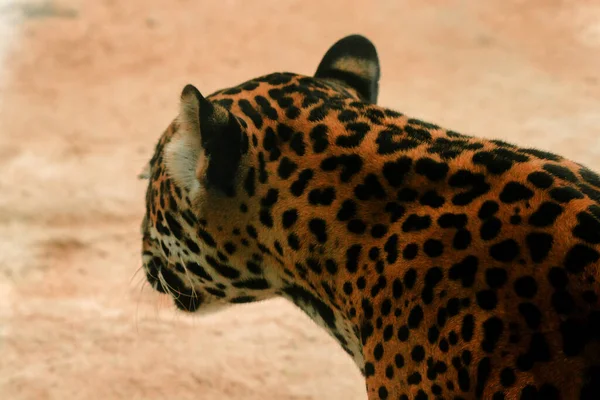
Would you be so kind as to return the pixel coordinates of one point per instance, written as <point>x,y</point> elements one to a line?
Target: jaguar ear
<point>207,148</point>
<point>354,61</point>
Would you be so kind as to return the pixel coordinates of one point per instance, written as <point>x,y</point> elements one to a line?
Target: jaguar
<point>447,266</point>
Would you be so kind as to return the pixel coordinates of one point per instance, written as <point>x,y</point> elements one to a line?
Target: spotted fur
<point>446,266</point>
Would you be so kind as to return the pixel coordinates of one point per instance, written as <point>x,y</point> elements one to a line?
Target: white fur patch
<point>184,159</point>
<point>184,156</point>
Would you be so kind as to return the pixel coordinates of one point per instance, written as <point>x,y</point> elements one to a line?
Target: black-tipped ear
<point>208,146</point>
<point>354,61</point>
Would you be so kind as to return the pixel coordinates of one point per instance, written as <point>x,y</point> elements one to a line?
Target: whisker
<point>164,284</point>
<point>137,306</point>
<point>170,289</point>
<point>188,276</point>
<point>137,271</point>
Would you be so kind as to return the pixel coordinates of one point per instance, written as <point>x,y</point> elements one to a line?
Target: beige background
<point>87,87</point>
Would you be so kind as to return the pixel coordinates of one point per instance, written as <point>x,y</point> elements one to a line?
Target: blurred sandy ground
<point>85,93</point>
